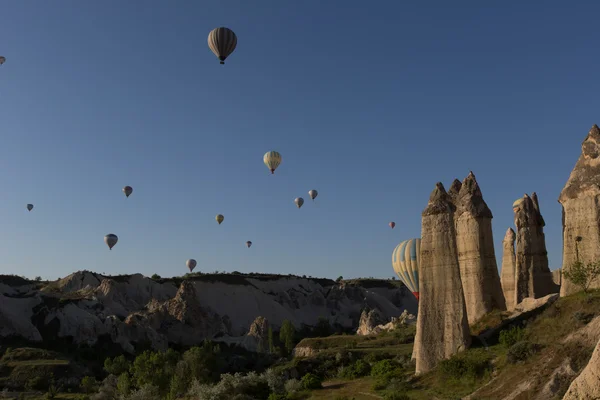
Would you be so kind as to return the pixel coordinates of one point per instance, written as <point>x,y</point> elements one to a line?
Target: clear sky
<point>370,103</point>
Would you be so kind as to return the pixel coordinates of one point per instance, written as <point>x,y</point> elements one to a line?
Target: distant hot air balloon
<point>313,193</point>
<point>2,60</point>
<point>128,190</point>
<point>272,159</point>
<point>299,201</point>
<point>30,207</point>
<point>191,264</point>
<point>248,243</point>
<point>222,41</point>
<point>110,240</point>
<point>405,260</point>
<point>392,224</point>
<point>219,218</point>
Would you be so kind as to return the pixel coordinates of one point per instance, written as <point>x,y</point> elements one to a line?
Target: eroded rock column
<point>476,254</point>
<point>442,326</point>
<point>507,277</point>
<point>533,277</point>
<point>580,199</point>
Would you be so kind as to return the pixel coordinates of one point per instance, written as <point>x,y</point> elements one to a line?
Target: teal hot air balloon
<point>405,260</point>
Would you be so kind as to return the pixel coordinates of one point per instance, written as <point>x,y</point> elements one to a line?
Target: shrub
<point>521,351</point>
<point>582,275</point>
<point>395,396</point>
<point>89,384</point>
<point>509,337</point>
<point>311,381</point>
<point>383,368</point>
<point>583,317</point>
<point>277,396</point>
<point>293,386</point>
<point>470,365</point>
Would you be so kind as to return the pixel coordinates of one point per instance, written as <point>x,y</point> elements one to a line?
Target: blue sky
<point>369,103</point>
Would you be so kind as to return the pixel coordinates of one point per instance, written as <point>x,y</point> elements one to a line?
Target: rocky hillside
<point>130,311</point>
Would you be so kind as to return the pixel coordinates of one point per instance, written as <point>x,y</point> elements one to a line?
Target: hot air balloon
<point>2,60</point>
<point>405,260</point>
<point>191,264</point>
<point>272,159</point>
<point>30,207</point>
<point>299,201</point>
<point>248,243</point>
<point>313,193</point>
<point>219,218</point>
<point>222,41</point>
<point>110,240</point>
<point>392,224</point>
<point>128,190</point>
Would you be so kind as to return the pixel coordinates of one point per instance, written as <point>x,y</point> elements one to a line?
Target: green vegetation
<point>581,274</point>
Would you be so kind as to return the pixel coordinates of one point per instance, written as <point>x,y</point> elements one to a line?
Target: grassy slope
<point>500,378</point>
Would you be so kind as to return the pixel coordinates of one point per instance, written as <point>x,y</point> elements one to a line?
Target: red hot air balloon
<point>392,224</point>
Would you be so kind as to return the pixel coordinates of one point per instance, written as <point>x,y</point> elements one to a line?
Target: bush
<point>395,396</point>
<point>583,317</point>
<point>470,365</point>
<point>293,386</point>
<point>89,384</point>
<point>356,370</point>
<point>582,275</point>
<point>383,368</point>
<point>155,277</point>
<point>311,381</point>
<point>509,337</point>
<point>521,351</point>
<point>276,396</point>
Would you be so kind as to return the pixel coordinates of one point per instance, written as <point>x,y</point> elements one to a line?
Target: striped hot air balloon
<point>405,260</point>
<point>272,159</point>
<point>222,41</point>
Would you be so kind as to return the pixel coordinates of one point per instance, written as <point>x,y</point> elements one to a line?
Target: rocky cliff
<point>507,276</point>
<point>442,326</point>
<point>130,310</point>
<point>580,200</point>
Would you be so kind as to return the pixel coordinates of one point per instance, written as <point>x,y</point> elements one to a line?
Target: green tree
<point>203,363</point>
<point>311,382</point>
<point>116,366</point>
<point>89,384</point>
<point>270,340</point>
<point>287,335</point>
<point>155,277</point>
<point>339,278</point>
<point>124,384</point>
<point>156,369</point>
<point>581,274</point>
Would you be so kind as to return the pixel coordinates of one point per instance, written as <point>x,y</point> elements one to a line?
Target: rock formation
<point>532,277</point>
<point>371,323</point>
<point>507,276</point>
<point>454,190</point>
<point>587,384</point>
<point>580,199</point>
<point>130,310</point>
<point>476,255</point>
<point>557,277</point>
<point>442,326</point>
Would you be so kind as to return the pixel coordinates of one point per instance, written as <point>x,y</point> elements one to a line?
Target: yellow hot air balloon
<point>405,260</point>
<point>219,218</point>
<point>272,159</point>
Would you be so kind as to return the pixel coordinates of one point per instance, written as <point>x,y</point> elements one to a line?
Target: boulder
<point>442,325</point>
<point>369,320</point>
<point>476,255</point>
<point>580,200</point>
<point>507,276</point>
<point>532,277</point>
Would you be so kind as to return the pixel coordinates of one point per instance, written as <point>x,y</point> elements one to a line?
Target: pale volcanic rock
<point>580,200</point>
<point>476,254</point>
<point>557,277</point>
<point>369,320</point>
<point>587,385</point>
<point>442,326</point>
<point>75,322</point>
<point>15,317</point>
<point>509,266</point>
<point>533,277</point>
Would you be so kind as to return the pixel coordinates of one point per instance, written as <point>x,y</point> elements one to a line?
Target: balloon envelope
<point>30,207</point>
<point>191,264</point>
<point>299,201</point>
<point>313,193</point>
<point>248,243</point>
<point>128,190</point>
<point>222,42</point>
<point>272,159</point>
<point>110,240</point>
<point>392,224</point>
<point>2,60</point>
<point>405,261</point>
<point>219,218</point>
